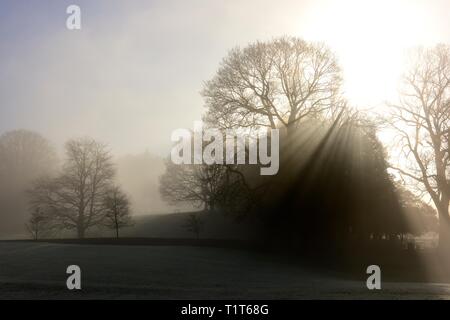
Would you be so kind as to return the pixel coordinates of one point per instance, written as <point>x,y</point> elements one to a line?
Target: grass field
<point>37,271</point>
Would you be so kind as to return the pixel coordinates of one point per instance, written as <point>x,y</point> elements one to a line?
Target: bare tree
<point>198,185</point>
<point>75,198</point>
<point>24,156</point>
<point>272,84</point>
<point>118,213</point>
<point>422,122</point>
<point>194,224</point>
<point>38,225</point>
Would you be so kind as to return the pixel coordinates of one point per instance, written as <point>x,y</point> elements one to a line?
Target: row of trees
<point>334,176</point>
<point>78,195</point>
<point>333,180</point>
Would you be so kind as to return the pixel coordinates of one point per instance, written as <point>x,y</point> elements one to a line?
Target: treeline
<point>335,186</point>
<point>57,198</point>
<point>333,191</point>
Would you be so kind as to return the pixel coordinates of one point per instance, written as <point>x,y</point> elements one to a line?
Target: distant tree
<point>277,83</point>
<point>212,187</point>
<point>421,121</point>
<point>194,223</point>
<point>197,184</point>
<point>24,156</point>
<point>117,207</point>
<point>38,225</point>
<point>75,198</point>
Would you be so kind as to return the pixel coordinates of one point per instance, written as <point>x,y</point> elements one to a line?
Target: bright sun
<point>371,39</point>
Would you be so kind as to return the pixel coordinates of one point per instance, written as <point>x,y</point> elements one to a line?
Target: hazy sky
<point>134,72</point>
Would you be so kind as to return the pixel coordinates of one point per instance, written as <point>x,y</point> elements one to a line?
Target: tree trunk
<point>80,232</point>
<point>291,127</point>
<point>116,222</point>
<point>444,231</point>
<point>80,224</point>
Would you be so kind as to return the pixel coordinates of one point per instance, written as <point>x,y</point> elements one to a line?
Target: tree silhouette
<point>197,184</point>
<point>272,84</point>
<point>117,210</point>
<point>194,223</point>
<point>422,123</point>
<point>75,198</point>
<point>39,224</point>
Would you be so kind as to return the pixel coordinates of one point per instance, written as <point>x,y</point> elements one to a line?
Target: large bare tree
<point>421,120</point>
<point>272,84</point>
<point>75,198</point>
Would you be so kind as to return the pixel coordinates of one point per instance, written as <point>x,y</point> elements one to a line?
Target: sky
<point>134,71</point>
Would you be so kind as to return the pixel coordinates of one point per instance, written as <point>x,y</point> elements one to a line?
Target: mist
<point>355,103</point>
